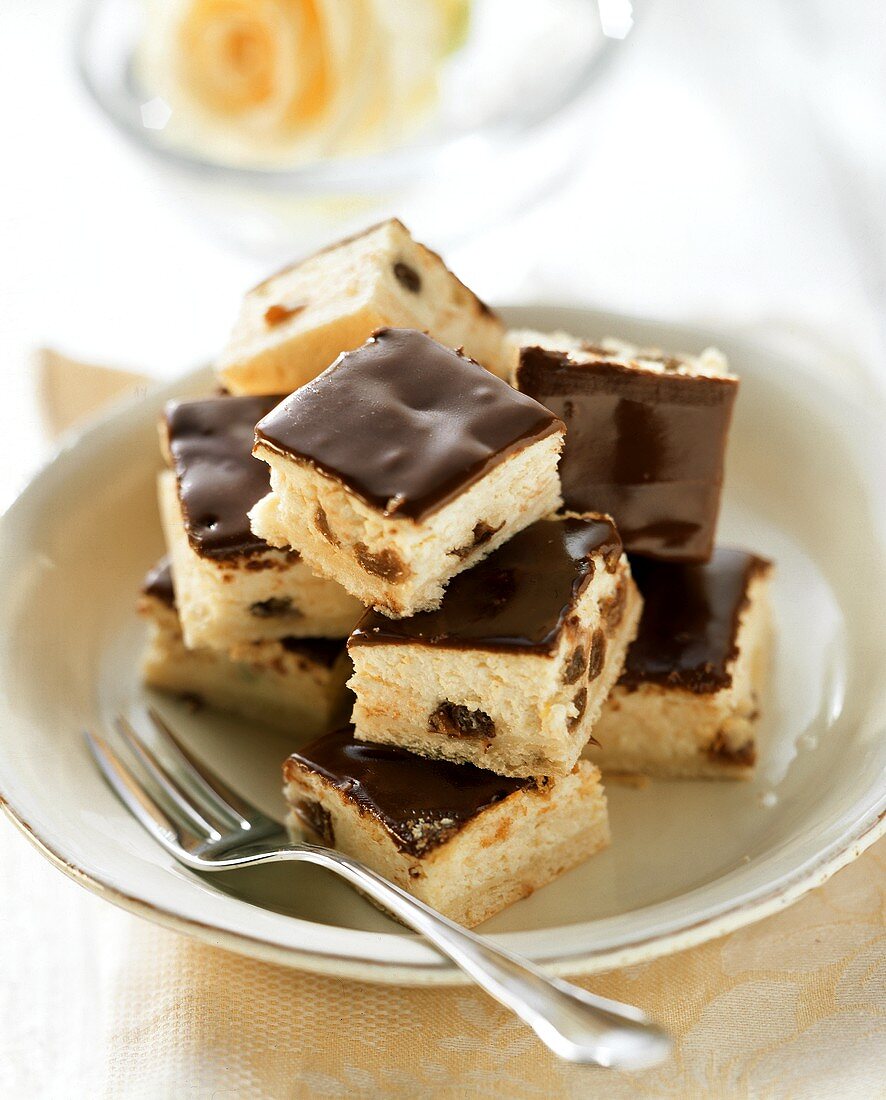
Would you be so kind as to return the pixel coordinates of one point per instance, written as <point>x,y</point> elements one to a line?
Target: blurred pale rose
<point>270,81</point>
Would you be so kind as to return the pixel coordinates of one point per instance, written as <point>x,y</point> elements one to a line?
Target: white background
<point>733,170</point>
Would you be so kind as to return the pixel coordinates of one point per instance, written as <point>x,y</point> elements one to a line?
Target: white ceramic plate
<point>689,861</point>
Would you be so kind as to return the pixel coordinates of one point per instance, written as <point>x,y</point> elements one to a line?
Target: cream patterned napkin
<point>790,1007</point>
<point>794,1006</point>
<point>70,392</point>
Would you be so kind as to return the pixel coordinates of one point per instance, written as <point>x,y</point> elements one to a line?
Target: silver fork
<point>203,824</point>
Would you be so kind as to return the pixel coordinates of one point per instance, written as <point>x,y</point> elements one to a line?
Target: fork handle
<point>574,1024</point>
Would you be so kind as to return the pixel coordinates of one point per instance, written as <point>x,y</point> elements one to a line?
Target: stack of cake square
<point>494,628</point>
<point>646,441</point>
<point>395,492</point>
<point>235,622</point>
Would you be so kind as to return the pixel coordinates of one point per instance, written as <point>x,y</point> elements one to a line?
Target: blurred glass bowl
<point>507,123</point>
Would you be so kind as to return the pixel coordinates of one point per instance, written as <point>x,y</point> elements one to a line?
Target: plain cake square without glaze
<point>232,588</point>
<point>402,465</point>
<point>465,841</point>
<point>294,324</point>
<point>646,435</point>
<point>294,684</point>
<point>689,698</point>
<point>511,671</point>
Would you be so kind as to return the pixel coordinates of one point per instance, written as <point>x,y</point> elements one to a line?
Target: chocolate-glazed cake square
<point>512,669</point>
<point>465,841</point>
<point>294,324</point>
<point>687,702</point>
<point>645,440</point>
<point>233,588</point>
<point>294,684</point>
<point>402,465</point>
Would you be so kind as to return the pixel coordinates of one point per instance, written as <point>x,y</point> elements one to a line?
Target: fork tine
<point>204,782</point>
<point>166,782</point>
<point>133,795</point>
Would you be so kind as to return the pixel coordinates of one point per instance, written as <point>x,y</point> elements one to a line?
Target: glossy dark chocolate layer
<point>689,627</point>
<point>647,448</point>
<point>405,423</point>
<point>321,651</point>
<point>517,598</point>
<point>422,803</point>
<point>210,441</point>
<point>158,582</point>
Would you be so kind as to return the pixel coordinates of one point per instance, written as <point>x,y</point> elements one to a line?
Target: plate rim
<point>866,827</point>
<point>444,974</point>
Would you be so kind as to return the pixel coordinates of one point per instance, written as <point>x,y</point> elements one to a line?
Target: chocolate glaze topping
<point>404,423</point>
<point>421,802</point>
<point>158,582</point>
<point>218,479</point>
<point>647,448</point>
<point>322,651</point>
<point>517,598</point>
<point>689,627</point>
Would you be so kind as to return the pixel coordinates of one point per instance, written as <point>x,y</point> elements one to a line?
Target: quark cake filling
<point>294,324</point>
<point>296,684</point>
<point>688,700</point>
